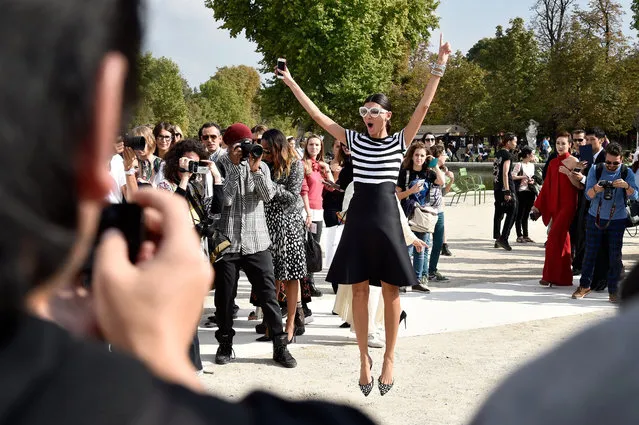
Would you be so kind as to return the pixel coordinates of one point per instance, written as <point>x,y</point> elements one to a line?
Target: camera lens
<point>257,151</point>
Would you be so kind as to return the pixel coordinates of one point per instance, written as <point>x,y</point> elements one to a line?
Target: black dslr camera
<point>608,189</point>
<point>252,149</point>
<point>205,229</point>
<point>137,143</point>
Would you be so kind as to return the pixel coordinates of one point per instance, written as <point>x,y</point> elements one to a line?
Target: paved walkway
<point>493,311</point>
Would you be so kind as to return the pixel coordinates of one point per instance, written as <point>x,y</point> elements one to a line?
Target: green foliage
<point>162,97</point>
<point>338,51</point>
<point>228,97</point>
<point>512,63</point>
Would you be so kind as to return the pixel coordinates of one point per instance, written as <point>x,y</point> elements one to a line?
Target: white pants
<point>344,307</point>
<point>332,234</point>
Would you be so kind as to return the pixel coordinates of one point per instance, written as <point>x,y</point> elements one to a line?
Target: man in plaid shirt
<point>247,186</point>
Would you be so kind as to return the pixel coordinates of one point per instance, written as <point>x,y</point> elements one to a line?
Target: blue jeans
<point>594,236</point>
<point>438,241</point>
<point>420,259</point>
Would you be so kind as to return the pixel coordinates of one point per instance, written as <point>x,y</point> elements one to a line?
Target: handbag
<point>423,220</point>
<point>313,254</point>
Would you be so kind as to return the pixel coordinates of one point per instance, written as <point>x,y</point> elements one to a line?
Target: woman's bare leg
<point>292,291</point>
<point>392,310</point>
<point>360,322</point>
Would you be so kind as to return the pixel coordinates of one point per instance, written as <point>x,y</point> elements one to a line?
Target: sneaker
<point>374,341</point>
<point>503,244</point>
<point>437,276</point>
<point>580,293</point>
<point>281,354</point>
<point>612,298</point>
<point>520,240</point>
<point>224,353</point>
<point>446,251</point>
<point>420,288</point>
<point>528,240</point>
<point>208,368</point>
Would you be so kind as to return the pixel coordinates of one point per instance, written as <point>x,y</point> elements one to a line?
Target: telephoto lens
<point>137,143</point>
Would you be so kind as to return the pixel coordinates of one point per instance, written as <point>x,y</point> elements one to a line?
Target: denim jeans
<point>420,259</point>
<point>438,241</point>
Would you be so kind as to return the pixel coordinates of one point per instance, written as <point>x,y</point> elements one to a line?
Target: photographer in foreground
<point>247,187</point>
<point>82,70</point>
<point>608,186</point>
<point>185,177</point>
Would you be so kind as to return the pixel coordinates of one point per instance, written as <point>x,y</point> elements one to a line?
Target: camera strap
<point>598,218</point>
<point>195,204</point>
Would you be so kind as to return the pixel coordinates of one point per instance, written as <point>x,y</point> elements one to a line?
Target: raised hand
<point>444,51</point>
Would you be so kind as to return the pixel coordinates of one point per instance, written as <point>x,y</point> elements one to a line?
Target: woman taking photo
<point>372,247</point>
<point>523,173</point>
<point>285,223</point>
<point>179,180</point>
<point>413,190</point>
<point>557,201</point>
<point>505,199</point>
<point>148,164</point>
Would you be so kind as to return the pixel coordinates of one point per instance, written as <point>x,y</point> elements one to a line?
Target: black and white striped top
<point>376,161</point>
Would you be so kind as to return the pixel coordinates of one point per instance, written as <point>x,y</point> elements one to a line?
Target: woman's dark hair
<point>281,152</point>
<point>50,74</point>
<point>407,163</point>
<point>508,137</point>
<point>383,101</point>
<point>208,125</point>
<point>525,151</point>
<point>177,151</point>
<point>156,132</point>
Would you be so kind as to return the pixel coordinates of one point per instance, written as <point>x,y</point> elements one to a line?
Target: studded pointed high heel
<point>384,388</point>
<point>402,318</point>
<point>367,388</point>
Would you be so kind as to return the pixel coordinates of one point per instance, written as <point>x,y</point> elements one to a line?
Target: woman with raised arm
<point>372,246</point>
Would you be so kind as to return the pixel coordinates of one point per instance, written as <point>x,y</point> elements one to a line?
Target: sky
<point>185,31</point>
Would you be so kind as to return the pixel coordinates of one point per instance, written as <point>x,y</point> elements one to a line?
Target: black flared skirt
<point>372,246</point>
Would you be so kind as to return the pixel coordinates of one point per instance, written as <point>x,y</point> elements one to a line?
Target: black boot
<point>300,328</point>
<point>224,353</point>
<point>280,353</point>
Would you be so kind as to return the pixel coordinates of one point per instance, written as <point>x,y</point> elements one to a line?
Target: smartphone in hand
<point>281,66</point>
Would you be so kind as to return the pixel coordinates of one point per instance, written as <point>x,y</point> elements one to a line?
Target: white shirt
<point>118,179</point>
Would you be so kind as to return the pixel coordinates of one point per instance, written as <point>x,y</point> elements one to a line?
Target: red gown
<point>557,201</point>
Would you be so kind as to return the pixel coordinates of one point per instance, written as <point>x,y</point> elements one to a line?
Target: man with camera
<point>608,186</point>
<point>247,187</point>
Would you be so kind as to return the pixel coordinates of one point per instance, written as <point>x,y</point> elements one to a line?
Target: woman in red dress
<point>557,204</point>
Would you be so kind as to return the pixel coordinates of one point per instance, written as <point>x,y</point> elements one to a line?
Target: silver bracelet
<point>438,70</point>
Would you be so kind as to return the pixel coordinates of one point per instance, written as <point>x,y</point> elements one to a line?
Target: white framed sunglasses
<point>374,111</point>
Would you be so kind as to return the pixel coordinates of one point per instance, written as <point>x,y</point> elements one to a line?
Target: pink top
<point>313,187</point>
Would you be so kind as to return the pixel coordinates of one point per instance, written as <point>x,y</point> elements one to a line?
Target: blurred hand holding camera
<point>132,300</point>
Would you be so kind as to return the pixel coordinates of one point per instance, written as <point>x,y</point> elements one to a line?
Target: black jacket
<point>49,378</point>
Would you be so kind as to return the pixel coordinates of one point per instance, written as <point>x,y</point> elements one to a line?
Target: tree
<point>551,19</point>
<point>512,63</point>
<point>229,95</point>
<point>338,51</point>
<point>635,14</point>
<point>161,92</point>
<point>460,96</point>
<point>603,19</point>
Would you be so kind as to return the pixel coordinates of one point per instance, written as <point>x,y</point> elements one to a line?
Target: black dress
<point>372,247</point>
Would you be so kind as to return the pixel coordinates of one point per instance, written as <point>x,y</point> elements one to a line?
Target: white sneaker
<point>374,341</point>
<point>208,368</point>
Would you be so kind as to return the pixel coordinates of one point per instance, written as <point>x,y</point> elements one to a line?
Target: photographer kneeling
<point>184,175</point>
<point>608,187</point>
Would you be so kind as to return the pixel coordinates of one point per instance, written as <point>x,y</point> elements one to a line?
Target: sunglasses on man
<point>373,112</point>
<point>613,163</point>
<point>213,137</point>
